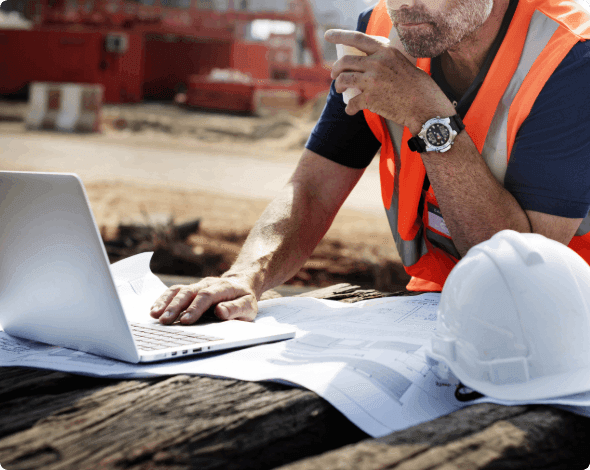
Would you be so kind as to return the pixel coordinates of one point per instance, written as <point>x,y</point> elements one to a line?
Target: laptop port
<point>185,351</point>
<point>196,349</point>
<point>174,353</point>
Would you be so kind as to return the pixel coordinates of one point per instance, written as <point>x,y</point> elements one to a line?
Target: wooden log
<point>484,436</point>
<point>172,422</point>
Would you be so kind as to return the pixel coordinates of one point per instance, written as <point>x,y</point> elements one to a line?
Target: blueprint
<point>367,358</point>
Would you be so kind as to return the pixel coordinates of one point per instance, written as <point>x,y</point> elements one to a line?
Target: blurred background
<point>183,118</point>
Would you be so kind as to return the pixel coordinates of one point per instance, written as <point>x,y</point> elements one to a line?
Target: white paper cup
<point>343,50</point>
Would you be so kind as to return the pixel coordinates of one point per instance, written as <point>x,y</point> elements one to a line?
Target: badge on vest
<point>437,232</point>
<point>436,221</point>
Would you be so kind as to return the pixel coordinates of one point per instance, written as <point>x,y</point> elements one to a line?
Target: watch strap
<point>417,144</point>
<point>457,123</point>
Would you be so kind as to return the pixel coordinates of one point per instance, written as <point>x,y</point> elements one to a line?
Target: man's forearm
<point>281,240</point>
<point>278,245</point>
<point>473,203</point>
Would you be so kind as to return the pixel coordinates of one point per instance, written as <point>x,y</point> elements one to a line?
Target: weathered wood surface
<point>51,420</point>
<point>482,437</point>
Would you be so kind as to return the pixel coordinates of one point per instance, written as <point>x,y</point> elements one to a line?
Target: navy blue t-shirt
<point>549,168</point>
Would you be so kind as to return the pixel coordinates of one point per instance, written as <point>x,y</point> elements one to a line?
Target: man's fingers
<point>245,309</point>
<point>188,303</point>
<point>348,63</point>
<point>348,80</point>
<point>181,300</point>
<point>162,302</point>
<point>202,301</point>
<point>356,104</point>
<point>212,295</point>
<point>361,41</point>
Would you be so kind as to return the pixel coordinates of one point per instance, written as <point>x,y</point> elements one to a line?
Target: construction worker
<point>487,133</point>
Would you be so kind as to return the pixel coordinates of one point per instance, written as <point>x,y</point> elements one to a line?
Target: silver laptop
<point>56,285</point>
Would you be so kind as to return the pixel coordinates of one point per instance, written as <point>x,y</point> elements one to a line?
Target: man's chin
<point>418,46</point>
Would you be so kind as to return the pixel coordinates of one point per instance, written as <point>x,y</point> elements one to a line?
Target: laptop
<point>56,284</point>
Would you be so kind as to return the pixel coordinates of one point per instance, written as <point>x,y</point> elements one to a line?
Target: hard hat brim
<point>542,388</point>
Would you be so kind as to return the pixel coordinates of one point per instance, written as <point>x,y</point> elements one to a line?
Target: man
<point>487,135</point>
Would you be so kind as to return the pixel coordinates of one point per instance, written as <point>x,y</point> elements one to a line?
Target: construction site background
<point>135,215</point>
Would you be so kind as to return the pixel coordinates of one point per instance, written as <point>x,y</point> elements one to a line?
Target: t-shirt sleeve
<point>344,139</point>
<point>549,169</point>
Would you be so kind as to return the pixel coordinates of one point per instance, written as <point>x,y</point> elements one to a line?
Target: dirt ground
<point>355,237</point>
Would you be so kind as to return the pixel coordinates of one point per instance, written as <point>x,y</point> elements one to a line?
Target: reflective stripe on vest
<point>410,251</point>
<point>496,144</point>
<point>541,34</point>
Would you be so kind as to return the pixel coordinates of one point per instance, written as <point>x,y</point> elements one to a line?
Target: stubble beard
<point>440,31</point>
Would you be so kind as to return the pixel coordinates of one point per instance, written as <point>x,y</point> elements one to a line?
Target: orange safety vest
<point>540,35</point>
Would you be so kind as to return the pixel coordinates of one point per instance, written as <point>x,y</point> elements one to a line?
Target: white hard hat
<point>514,319</point>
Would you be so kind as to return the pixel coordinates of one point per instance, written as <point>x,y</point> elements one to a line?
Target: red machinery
<point>202,50</point>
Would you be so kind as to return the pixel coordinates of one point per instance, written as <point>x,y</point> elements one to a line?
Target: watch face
<point>437,135</point>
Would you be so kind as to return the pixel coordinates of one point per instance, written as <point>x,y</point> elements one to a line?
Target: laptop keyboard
<point>153,337</point>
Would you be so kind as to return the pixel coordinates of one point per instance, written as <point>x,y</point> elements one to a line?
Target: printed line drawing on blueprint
<point>18,349</point>
<point>382,362</point>
<point>376,349</point>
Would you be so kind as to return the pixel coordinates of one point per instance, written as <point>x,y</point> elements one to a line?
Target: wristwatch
<point>437,134</point>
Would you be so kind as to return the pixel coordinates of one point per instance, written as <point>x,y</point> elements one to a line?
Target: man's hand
<point>391,85</point>
<point>232,298</point>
